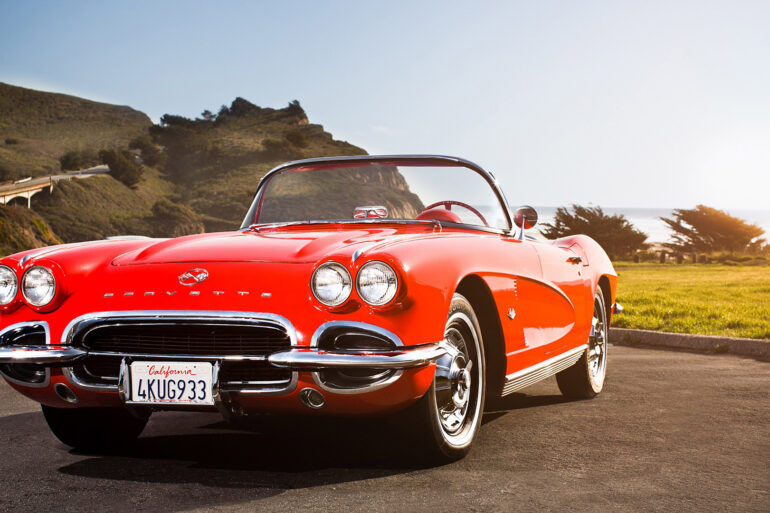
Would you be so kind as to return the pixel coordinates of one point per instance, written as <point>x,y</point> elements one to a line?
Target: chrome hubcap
<point>454,382</point>
<point>597,343</point>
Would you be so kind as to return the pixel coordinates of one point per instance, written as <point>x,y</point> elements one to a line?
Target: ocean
<point>648,219</point>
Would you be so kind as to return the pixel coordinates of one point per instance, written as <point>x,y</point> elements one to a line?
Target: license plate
<point>171,383</point>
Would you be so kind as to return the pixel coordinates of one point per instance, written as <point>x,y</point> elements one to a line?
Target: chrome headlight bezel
<point>390,280</point>
<point>14,288</point>
<point>346,283</point>
<point>48,296</point>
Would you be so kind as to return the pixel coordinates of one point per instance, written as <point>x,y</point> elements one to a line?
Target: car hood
<point>288,246</point>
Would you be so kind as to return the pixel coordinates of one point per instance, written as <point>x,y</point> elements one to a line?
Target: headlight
<point>9,285</point>
<point>331,284</point>
<point>377,283</point>
<point>38,286</point>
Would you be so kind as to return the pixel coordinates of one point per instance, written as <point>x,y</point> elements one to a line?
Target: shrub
<point>71,161</point>
<point>78,159</point>
<point>11,140</point>
<point>122,166</point>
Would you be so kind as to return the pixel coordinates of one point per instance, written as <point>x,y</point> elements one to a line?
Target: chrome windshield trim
<point>182,315</point>
<point>489,177</point>
<point>312,358</point>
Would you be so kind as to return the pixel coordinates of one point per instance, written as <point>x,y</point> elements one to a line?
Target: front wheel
<point>585,379</point>
<point>94,429</point>
<point>447,418</point>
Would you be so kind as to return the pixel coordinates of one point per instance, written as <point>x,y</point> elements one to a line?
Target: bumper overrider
<point>342,347</point>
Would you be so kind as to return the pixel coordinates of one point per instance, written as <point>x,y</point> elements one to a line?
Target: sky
<point>618,104</point>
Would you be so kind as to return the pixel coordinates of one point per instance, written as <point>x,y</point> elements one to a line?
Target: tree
<point>151,153</point>
<point>614,233</point>
<point>705,229</point>
<point>122,166</point>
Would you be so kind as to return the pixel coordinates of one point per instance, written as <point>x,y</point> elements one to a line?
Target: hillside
<point>37,128</point>
<point>196,174</point>
<point>216,161</point>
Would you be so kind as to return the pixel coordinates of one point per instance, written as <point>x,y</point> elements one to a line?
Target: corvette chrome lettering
<point>190,293</point>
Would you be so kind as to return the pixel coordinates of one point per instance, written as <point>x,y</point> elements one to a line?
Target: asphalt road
<point>83,173</point>
<point>673,431</point>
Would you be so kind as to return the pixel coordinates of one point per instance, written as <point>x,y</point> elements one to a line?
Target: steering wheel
<point>447,204</point>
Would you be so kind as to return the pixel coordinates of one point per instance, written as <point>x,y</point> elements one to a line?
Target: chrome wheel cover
<point>457,385</point>
<point>597,344</point>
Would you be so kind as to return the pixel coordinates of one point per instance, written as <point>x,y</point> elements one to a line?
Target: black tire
<point>585,379</point>
<point>94,429</point>
<point>437,442</point>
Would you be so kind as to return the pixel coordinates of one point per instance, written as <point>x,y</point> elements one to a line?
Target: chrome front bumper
<point>300,358</point>
<point>42,355</point>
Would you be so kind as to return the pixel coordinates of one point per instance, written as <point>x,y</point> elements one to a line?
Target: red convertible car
<point>356,286</point>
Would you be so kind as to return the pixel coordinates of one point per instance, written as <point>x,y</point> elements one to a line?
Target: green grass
<point>713,299</point>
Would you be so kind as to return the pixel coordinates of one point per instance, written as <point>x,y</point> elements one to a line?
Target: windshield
<point>355,190</point>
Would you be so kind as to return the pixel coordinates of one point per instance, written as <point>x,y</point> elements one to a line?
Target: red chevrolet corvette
<point>387,285</point>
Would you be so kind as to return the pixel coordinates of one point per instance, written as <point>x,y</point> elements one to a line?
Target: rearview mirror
<point>525,218</point>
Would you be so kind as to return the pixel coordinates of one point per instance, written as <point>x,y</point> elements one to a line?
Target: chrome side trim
<point>182,315</point>
<point>531,375</point>
<point>311,358</point>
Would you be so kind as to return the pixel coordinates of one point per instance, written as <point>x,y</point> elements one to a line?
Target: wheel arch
<point>477,292</point>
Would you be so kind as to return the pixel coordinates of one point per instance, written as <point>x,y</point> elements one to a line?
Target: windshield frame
<point>415,160</point>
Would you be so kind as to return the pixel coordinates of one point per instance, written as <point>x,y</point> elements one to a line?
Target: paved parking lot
<point>673,431</point>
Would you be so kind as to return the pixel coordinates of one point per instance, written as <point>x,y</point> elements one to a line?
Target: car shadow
<point>259,452</point>
<point>500,406</point>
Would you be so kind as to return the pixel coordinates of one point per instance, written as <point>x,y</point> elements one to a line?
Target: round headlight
<point>38,286</point>
<point>9,285</point>
<point>377,283</point>
<point>331,284</point>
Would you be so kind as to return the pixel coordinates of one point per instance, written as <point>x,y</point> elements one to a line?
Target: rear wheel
<point>94,429</point>
<point>447,418</point>
<point>585,379</point>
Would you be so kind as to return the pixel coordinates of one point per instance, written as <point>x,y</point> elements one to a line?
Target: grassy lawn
<point>710,299</point>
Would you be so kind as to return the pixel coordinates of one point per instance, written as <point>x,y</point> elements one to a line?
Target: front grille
<point>106,370</point>
<point>183,338</point>
<point>195,339</point>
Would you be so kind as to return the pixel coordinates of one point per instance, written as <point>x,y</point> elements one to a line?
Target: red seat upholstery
<point>439,214</point>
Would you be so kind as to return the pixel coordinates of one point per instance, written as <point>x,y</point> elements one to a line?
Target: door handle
<point>574,260</point>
